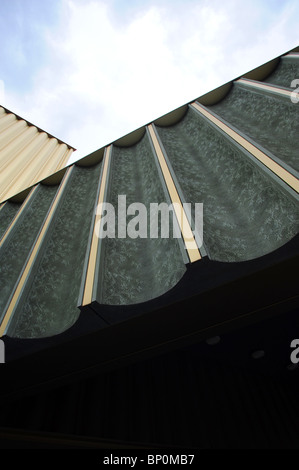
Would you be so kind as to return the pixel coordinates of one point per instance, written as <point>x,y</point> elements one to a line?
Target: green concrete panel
<point>140,269</point>
<point>15,250</point>
<point>271,121</point>
<point>246,213</point>
<point>286,71</point>
<point>49,306</point>
<point>7,214</point>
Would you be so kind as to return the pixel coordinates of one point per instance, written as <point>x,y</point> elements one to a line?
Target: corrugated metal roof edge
<point>96,156</point>
<point>39,128</point>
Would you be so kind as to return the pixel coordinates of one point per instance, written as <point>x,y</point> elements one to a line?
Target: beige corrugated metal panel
<point>27,154</point>
<point>50,149</point>
<point>16,176</point>
<point>65,159</point>
<point>15,145</point>
<point>7,120</point>
<point>50,165</point>
<point>15,128</point>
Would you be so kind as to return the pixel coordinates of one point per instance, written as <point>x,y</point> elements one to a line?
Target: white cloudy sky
<point>90,71</point>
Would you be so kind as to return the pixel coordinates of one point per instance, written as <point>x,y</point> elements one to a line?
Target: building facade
<point>148,340</point>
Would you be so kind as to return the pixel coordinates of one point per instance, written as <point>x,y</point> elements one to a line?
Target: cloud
<point>111,68</point>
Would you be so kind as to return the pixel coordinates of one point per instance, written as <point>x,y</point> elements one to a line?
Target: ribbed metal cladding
<point>221,155</point>
<point>27,154</point>
<point>125,362</point>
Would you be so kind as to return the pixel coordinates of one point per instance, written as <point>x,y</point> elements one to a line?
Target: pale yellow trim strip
<point>33,255</point>
<point>291,55</point>
<point>190,243</point>
<point>287,177</point>
<point>264,86</point>
<point>89,281</point>
<point>17,216</point>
